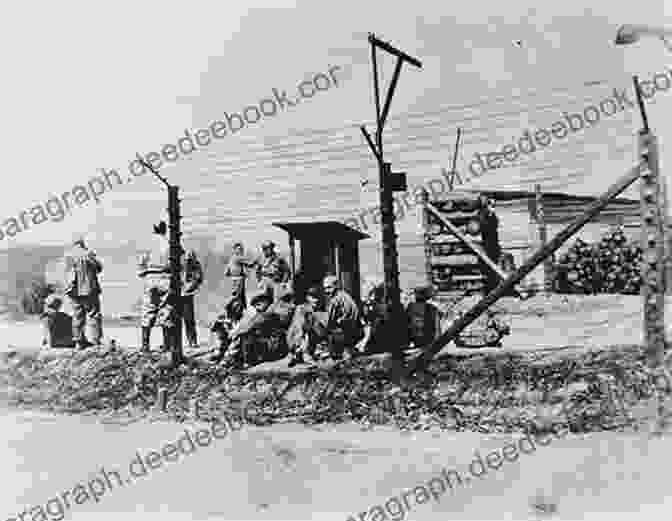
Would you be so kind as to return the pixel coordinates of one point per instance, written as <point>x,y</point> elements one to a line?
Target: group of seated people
<point>329,324</point>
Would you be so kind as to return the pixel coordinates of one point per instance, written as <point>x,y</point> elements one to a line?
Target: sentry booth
<point>324,248</point>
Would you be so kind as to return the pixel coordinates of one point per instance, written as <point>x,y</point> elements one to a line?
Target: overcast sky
<point>86,85</point>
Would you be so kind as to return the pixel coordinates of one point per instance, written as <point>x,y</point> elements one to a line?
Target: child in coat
<point>56,324</point>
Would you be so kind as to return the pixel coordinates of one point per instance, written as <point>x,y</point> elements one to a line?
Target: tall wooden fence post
<point>653,248</point>
<point>543,237</point>
<point>426,238</point>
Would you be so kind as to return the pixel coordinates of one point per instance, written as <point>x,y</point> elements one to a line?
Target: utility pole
<point>653,265</point>
<point>540,218</point>
<point>389,182</point>
<point>653,241</point>
<point>175,254</point>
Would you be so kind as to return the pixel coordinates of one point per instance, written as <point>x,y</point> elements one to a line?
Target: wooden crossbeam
<point>468,243</point>
<point>507,285</point>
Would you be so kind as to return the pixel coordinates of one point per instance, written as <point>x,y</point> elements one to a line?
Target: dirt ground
<point>538,323</point>
<point>333,471</point>
<point>292,472</point>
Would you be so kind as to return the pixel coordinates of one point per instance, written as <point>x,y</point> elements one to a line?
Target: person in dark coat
<point>344,325</point>
<point>57,325</point>
<point>225,323</point>
<point>424,322</point>
<point>307,333</point>
<point>260,336</point>
<point>273,271</point>
<point>489,231</point>
<point>83,289</point>
<point>192,279</point>
<point>154,270</point>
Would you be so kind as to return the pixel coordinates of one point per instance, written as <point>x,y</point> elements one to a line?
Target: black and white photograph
<point>336,261</point>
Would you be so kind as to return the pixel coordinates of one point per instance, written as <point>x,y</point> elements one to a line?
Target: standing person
<point>83,288</point>
<point>489,231</point>
<point>237,270</point>
<point>344,326</point>
<point>154,269</point>
<point>192,278</point>
<point>273,272</point>
<point>424,319</point>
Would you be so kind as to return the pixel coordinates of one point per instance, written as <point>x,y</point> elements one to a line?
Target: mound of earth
<point>486,392</point>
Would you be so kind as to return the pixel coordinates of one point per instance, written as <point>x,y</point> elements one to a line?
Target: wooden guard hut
<point>324,248</point>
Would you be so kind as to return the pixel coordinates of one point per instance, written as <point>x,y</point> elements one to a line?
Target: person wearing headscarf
<point>83,289</point>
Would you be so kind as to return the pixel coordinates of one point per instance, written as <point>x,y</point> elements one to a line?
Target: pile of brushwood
<point>497,392</point>
<point>612,265</point>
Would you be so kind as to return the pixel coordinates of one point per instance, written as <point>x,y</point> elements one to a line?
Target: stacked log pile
<point>611,265</point>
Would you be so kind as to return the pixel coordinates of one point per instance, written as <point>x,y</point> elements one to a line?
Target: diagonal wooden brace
<point>470,244</point>
<point>614,190</point>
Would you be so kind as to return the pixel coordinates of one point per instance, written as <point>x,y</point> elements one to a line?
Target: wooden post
<point>543,237</point>
<point>176,252</point>
<point>161,399</point>
<point>426,237</point>
<point>504,287</point>
<point>337,263</point>
<point>653,248</point>
<point>667,236</point>
<point>292,256</point>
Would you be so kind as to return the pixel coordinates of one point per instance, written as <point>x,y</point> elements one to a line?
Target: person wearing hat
<point>237,271</point>
<point>344,325</point>
<point>284,306</point>
<point>57,325</point>
<point>225,323</point>
<point>424,319</point>
<point>154,270</point>
<point>192,278</point>
<point>307,330</point>
<point>273,272</point>
<point>377,337</point>
<point>83,289</point>
<point>258,335</point>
